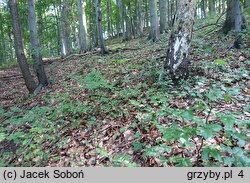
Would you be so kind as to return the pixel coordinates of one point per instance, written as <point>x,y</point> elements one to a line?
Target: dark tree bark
<point>36,50</point>
<point>177,61</point>
<point>19,48</point>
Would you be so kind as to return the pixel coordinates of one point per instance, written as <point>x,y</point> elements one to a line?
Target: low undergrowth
<point>113,111</point>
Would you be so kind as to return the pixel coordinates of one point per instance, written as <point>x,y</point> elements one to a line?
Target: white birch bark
<point>176,62</point>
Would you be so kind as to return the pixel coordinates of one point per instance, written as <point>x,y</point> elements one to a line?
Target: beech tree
<point>177,61</point>
<point>247,2</point>
<point>65,30</point>
<point>82,26</point>
<point>2,44</point>
<point>36,50</point>
<point>163,15</point>
<point>139,18</point>
<point>154,28</point>
<point>231,15</point>
<point>66,27</point>
<point>203,8</point>
<point>99,26</point>
<point>237,24</point>
<point>19,48</point>
<point>234,20</point>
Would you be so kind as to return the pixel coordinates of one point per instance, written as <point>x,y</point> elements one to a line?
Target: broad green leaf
<point>155,151</point>
<point>171,134</point>
<point>206,132</point>
<point>137,146</point>
<point>228,161</point>
<point>209,130</point>
<point>134,102</point>
<point>220,61</point>
<point>215,154</point>
<point>227,98</point>
<point>228,120</point>
<point>187,115</point>
<point>2,137</point>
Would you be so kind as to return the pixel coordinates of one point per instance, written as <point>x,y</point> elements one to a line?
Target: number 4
<point>241,174</point>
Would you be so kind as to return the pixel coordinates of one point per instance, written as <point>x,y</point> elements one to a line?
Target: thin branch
<point>213,24</point>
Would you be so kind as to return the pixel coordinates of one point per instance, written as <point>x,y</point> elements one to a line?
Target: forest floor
<point>112,110</point>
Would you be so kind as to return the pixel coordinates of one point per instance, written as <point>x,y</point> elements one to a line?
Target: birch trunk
<point>177,61</point>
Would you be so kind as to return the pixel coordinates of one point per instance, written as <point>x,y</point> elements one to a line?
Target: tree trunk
<point>109,19</point>
<point>203,9</point>
<point>211,7</point>
<point>93,26</point>
<point>146,14</point>
<point>163,15</point>
<point>19,48</point>
<point>128,24</point>
<point>176,62</point>
<point>121,16</point>
<point>99,26</point>
<point>169,18</point>
<point>247,2</point>
<point>82,26</point>
<point>139,18</point>
<point>154,28</point>
<point>65,30</point>
<point>2,45</point>
<point>40,23</point>
<point>238,24</point>
<point>172,12</point>
<point>36,50</point>
<point>229,24</point>
<point>10,44</point>
<point>118,21</point>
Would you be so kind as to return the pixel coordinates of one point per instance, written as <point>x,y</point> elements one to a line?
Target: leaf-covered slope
<point>113,111</point>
